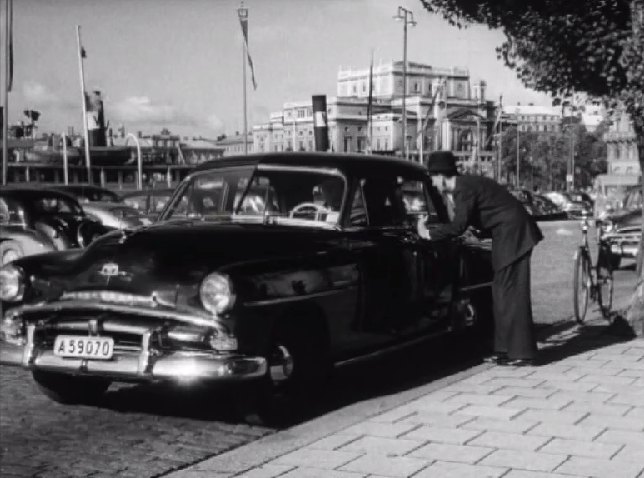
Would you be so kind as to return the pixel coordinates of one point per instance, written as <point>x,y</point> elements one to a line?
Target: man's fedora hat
<point>442,162</point>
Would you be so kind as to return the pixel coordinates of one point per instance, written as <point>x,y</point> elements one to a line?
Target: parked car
<point>573,209</point>
<point>262,269</point>
<point>40,220</point>
<point>623,227</point>
<point>149,202</point>
<point>105,206</point>
<point>584,198</point>
<point>538,206</point>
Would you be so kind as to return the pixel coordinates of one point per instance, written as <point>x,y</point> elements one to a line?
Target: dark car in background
<point>41,220</point>
<point>539,206</point>
<point>264,270</point>
<point>623,227</point>
<point>149,202</point>
<point>573,209</point>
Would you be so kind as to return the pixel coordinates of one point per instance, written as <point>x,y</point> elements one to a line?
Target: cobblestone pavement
<point>581,413</point>
<point>134,433</point>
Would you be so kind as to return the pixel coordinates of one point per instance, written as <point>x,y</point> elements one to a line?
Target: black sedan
<point>263,269</point>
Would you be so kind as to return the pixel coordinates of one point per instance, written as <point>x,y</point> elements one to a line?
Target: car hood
<point>170,258</point>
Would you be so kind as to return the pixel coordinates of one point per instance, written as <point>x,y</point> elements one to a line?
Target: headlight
<point>12,283</point>
<point>216,293</point>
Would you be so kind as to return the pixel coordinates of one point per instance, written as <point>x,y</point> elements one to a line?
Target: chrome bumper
<point>146,364</point>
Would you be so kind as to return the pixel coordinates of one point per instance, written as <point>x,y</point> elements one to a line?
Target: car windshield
<point>303,196</point>
<point>46,205</point>
<point>99,196</point>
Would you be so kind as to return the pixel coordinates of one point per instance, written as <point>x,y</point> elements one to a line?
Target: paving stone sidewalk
<point>579,413</point>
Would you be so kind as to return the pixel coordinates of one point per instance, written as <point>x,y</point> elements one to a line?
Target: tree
<point>563,47</point>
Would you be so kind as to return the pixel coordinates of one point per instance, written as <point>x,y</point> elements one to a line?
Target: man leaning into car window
<point>482,203</point>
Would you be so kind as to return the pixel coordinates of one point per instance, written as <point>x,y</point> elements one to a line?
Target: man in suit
<point>484,204</point>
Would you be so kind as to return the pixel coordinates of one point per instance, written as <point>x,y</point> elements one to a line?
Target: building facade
<point>621,147</point>
<point>450,111</point>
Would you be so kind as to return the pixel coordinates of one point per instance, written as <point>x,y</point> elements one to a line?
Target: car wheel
<point>9,251</point>
<point>68,389</point>
<point>297,367</point>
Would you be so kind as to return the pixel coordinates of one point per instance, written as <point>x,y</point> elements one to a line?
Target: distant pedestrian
<point>484,204</point>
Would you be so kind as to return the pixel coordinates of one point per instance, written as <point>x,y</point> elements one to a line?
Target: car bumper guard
<point>144,364</point>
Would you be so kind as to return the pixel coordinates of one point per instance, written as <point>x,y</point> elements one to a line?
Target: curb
<point>257,453</point>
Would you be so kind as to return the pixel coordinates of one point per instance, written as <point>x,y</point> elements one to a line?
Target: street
<point>146,431</point>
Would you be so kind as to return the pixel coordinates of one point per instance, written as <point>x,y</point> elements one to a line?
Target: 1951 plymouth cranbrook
<point>263,269</point>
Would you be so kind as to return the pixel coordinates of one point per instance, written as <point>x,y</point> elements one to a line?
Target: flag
<point>83,52</point>
<point>243,20</point>
<point>497,122</point>
<point>10,59</point>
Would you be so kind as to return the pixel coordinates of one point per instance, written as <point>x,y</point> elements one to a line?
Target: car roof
<point>349,163</point>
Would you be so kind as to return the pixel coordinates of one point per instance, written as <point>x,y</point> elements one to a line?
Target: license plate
<point>97,348</point>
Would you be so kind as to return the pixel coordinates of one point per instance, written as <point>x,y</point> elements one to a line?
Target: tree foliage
<point>568,46</point>
<point>564,46</point>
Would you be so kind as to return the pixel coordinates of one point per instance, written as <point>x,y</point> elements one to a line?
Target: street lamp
<point>139,161</point>
<point>570,177</point>
<point>518,158</point>
<point>407,17</point>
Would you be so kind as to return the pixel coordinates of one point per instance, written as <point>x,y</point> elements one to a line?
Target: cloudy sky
<point>178,63</point>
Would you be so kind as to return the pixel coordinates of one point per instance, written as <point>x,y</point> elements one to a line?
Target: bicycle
<point>594,282</point>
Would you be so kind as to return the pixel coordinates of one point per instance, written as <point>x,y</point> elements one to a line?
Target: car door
<point>388,258</point>
<point>437,261</point>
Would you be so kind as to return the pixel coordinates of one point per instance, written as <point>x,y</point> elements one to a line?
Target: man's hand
<point>422,229</point>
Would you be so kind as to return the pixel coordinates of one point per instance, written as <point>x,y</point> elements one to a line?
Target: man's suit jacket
<point>486,205</point>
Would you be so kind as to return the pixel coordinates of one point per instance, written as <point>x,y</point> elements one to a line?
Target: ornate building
<point>452,112</point>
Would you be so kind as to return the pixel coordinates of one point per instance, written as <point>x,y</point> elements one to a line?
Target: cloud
<point>214,123</point>
<point>39,95</point>
<point>141,109</point>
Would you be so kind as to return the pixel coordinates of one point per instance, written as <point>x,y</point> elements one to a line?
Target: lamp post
<point>518,157</point>
<point>570,176</point>
<point>407,17</point>
<point>139,162</point>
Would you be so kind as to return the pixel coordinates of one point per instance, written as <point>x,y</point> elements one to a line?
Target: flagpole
<point>370,106</point>
<point>5,100</point>
<point>242,12</point>
<point>84,103</point>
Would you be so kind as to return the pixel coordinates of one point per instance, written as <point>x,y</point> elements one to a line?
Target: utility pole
<point>407,17</point>
<point>518,157</point>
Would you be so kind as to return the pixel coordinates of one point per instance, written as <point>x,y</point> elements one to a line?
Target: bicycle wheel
<point>604,280</point>
<point>581,284</point>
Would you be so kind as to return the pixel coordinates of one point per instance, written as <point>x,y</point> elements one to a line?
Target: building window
<point>347,144</point>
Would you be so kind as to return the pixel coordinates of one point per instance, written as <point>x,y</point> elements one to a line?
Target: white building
<point>453,113</point>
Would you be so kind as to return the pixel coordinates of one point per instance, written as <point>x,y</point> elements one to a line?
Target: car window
<point>137,202</point>
<point>384,201</point>
<point>11,213</point>
<point>633,200</point>
<point>358,213</point>
<point>55,205</point>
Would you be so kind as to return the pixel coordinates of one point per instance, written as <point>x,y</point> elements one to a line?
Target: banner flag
<point>243,20</point>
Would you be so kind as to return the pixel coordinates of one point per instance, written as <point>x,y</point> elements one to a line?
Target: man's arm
<point>463,207</point>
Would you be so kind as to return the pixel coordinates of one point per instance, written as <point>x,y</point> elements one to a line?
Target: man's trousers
<point>513,326</point>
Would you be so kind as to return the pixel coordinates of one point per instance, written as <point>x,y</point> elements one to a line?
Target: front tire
<point>297,367</point>
<point>69,389</point>
<point>581,285</point>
